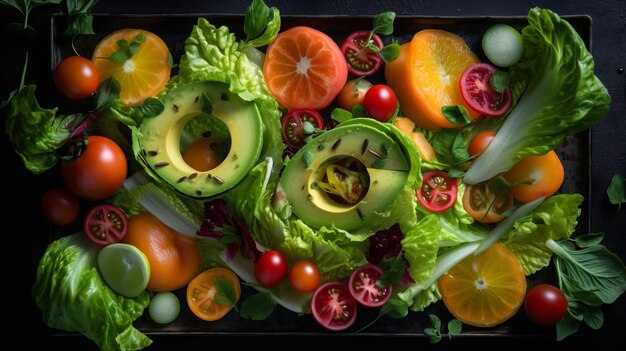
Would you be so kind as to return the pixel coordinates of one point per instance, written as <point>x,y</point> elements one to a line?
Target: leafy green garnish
<point>126,50</point>
<point>151,107</point>
<point>394,308</point>
<point>456,114</point>
<point>225,293</point>
<point>500,81</point>
<point>79,20</point>
<point>617,191</point>
<point>394,274</point>
<point>435,332</point>
<point>257,307</point>
<point>261,24</point>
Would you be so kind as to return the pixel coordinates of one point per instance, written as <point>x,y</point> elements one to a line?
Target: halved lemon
<point>142,75</point>
<point>486,289</point>
<point>124,268</point>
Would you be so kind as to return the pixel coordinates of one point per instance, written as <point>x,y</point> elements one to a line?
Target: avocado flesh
<point>386,166</point>
<point>160,138</point>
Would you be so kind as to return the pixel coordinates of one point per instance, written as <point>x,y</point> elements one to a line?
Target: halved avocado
<point>386,166</point>
<point>161,135</point>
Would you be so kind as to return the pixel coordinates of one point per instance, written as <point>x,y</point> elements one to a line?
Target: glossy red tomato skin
<point>545,304</point>
<point>478,93</point>
<point>333,306</point>
<point>380,102</point>
<point>438,191</point>
<point>105,224</point>
<point>270,268</point>
<point>98,172</point>
<point>59,206</point>
<point>304,276</point>
<point>367,62</point>
<point>292,129</point>
<point>76,77</point>
<point>480,142</point>
<point>363,288</point>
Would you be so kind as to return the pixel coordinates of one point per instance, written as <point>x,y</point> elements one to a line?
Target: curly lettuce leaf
<point>418,298</point>
<point>420,245</point>
<point>559,96</point>
<point>556,218</point>
<point>72,296</point>
<point>36,133</point>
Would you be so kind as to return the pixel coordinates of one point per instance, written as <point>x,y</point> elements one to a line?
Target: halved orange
<point>304,68</point>
<point>484,290</point>
<point>425,77</point>
<point>141,76</point>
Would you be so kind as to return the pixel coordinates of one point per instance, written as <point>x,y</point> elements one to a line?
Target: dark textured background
<point>24,239</point>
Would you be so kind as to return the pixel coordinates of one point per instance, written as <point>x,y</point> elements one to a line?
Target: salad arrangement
<point>288,169</point>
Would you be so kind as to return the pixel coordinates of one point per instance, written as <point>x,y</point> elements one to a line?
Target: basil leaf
<point>256,19</point>
<point>359,111</point>
<point>567,326</point>
<point>455,327</point>
<point>394,274</point>
<point>617,191</point>
<point>340,115</point>
<point>394,308</point>
<point>390,52</point>
<point>257,307</point>
<point>456,114</point>
<point>225,293</point>
<point>151,107</point>
<point>108,91</point>
<point>591,239</point>
<point>383,23</point>
<point>500,81</point>
<point>79,19</point>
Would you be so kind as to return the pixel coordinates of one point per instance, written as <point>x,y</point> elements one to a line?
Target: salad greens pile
<point>556,94</point>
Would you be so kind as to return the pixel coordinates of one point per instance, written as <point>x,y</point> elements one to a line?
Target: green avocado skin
<point>367,142</point>
<point>160,138</point>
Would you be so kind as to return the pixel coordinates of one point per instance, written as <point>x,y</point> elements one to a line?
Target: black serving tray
<point>174,29</point>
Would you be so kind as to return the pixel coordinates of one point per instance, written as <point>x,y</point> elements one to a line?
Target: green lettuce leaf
<point>418,298</point>
<point>36,133</point>
<point>72,296</point>
<point>559,96</point>
<point>556,218</point>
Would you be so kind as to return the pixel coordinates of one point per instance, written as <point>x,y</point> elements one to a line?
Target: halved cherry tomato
<point>304,276</point>
<point>361,60</point>
<point>293,126</point>
<point>105,224</point>
<point>333,306</point>
<point>352,93</point>
<point>480,142</point>
<point>438,191</point>
<point>270,268</point>
<point>205,296</point>
<point>483,205</point>
<point>60,206</point>
<point>363,288</point>
<point>380,102</point>
<point>478,93</point>
<point>545,172</point>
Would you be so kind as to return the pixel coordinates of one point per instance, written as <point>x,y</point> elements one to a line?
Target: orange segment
<point>304,68</point>
<point>426,76</point>
<point>144,74</point>
<point>486,289</point>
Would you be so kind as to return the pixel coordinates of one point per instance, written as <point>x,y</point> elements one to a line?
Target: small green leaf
<point>434,336</point>
<point>500,81</point>
<point>394,274</point>
<point>454,172</point>
<point>151,107</point>
<point>456,114</point>
<point>383,23</point>
<point>459,149</point>
<point>256,19</point>
<point>588,240</point>
<point>207,107</point>
<point>435,321</point>
<point>567,326</point>
<point>389,52</point>
<point>257,307</point>
<point>340,115</point>
<point>617,191</point>
<point>81,23</point>
<point>225,293</point>
<point>108,91</point>
<point>455,327</point>
<point>395,308</point>
<point>593,317</point>
<point>118,56</point>
<point>359,111</point>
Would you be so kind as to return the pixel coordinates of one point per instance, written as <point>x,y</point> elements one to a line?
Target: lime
<point>164,307</point>
<point>124,268</point>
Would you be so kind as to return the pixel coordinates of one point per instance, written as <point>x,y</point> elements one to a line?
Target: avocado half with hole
<point>160,138</point>
<point>361,159</point>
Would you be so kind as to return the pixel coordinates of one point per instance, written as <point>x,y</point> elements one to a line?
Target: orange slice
<point>425,77</point>
<point>486,289</point>
<point>141,76</point>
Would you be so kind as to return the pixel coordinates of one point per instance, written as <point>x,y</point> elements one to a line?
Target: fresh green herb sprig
<point>435,332</point>
<point>261,25</point>
<point>383,24</point>
<point>126,50</point>
<point>394,308</point>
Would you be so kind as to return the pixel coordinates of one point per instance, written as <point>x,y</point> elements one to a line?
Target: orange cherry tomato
<point>483,205</point>
<point>545,173</point>
<point>206,297</point>
<point>480,142</point>
<point>352,93</point>
<point>174,258</point>
<point>304,276</point>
